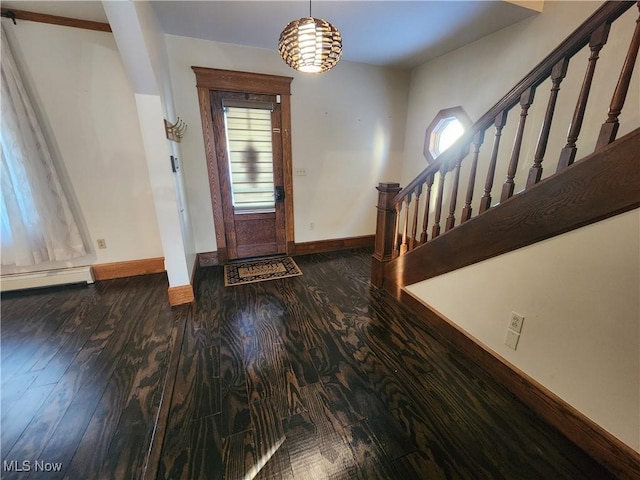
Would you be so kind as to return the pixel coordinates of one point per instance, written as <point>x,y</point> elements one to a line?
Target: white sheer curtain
<point>37,223</point>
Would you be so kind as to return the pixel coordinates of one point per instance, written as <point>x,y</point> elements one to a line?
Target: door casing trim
<point>208,79</point>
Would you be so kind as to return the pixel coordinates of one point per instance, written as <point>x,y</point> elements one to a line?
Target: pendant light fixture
<point>310,44</point>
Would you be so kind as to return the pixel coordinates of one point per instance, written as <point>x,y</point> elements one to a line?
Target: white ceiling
<point>392,33</point>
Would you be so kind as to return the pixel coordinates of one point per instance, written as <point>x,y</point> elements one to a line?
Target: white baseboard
<point>45,278</point>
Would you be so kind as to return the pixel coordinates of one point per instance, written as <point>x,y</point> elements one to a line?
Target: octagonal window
<point>448,125</point>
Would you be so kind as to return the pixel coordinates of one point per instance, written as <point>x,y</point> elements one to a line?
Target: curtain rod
<point>9,14</point>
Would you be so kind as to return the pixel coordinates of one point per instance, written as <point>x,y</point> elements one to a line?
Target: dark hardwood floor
<point>313,377</point>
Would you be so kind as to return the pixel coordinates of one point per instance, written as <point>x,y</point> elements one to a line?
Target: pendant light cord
<point>309,8</point>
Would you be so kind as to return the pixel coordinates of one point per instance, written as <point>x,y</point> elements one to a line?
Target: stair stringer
<point>600,185</point>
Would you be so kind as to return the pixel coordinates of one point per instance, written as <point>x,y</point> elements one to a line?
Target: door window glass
<point>250,154</point>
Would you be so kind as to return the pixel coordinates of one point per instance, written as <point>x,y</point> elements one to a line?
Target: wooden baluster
<point>425,219</point>
<point>478,140</point>
<point>451,219</point>
<point>485,201</point>
<point>526,99</point>
<point>435,232</point>
<point>609,128</point>
<point>414,226</point>
<point>396,235</point>
<point>405,228</point>
<point>558,72</point>
<point>568,153</point>
<point>386,225</point>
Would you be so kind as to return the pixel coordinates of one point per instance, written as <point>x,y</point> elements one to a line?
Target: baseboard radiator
<point>45,278</point>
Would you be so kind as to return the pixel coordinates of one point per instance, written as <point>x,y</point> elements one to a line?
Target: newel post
<point>385,231</point>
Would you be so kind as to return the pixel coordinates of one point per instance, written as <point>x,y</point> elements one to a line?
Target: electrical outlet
<point>511,340</point>
<point>301,172</point>
<point>101,243</point>
<point>516,321</point>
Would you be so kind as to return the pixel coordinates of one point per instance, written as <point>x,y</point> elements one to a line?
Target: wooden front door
<point>246,121</point>
<point>250,172</point>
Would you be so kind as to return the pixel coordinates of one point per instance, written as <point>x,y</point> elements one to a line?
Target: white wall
<point>347,131</point>
<point>87,103</point>
<point>579,295</point>
<point>579,292</point>
<point>478,75</point>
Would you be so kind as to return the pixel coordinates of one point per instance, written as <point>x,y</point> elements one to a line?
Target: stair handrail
<point>606,14</point>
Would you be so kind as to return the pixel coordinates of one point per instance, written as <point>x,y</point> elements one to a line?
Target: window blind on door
<point>250,154</point>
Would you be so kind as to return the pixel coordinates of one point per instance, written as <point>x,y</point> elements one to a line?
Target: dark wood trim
<point>319,246</point>
<point>223,179</point>
<point>287,166</point>
<point>234,81</point>
<point>599,186</point>
<point>181,295</point>
<point>208,259</point>
<point>212,167</point>
<point>211,79</point>
<point>108,271</point>
<point>458,112</point>
<point>56,20</point>
<point>615,455</point>
<point>386,221</point>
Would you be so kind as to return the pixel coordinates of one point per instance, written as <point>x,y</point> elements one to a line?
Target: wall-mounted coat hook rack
<point>175,131</point>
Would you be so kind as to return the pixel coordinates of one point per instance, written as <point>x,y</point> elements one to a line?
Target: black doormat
<point>260,271</point>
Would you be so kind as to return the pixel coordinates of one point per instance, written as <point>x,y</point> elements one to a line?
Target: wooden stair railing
<point>399,210</point>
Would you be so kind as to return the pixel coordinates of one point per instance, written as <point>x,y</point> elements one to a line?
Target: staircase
<point>477,226</point>
<point>451,216</point>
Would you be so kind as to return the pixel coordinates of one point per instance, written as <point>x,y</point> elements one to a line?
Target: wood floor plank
<point>234,407</point>
<point>140,396</point>
<point>372,461</point>
<point>20,416</point>
<point>60,394</point>
<point>95,412</point>
<point>74,398</point>
<point>81,326</point>
<point>338,459</point>
<point>238,456</point>
<point>303,444</point>
<point>197,386</point>
<point>269,440</point>
<point>195,451</point>
<point>203,326</point>
<point>269,373</point>
<point>419,465</point>
<point>20,355</point>
<point>117,380</point>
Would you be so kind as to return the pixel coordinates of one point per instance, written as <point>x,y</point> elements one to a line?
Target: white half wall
<point>580,296</point>
<point>167,210</point>
<point>347,132</point>
<point>142,49</point>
